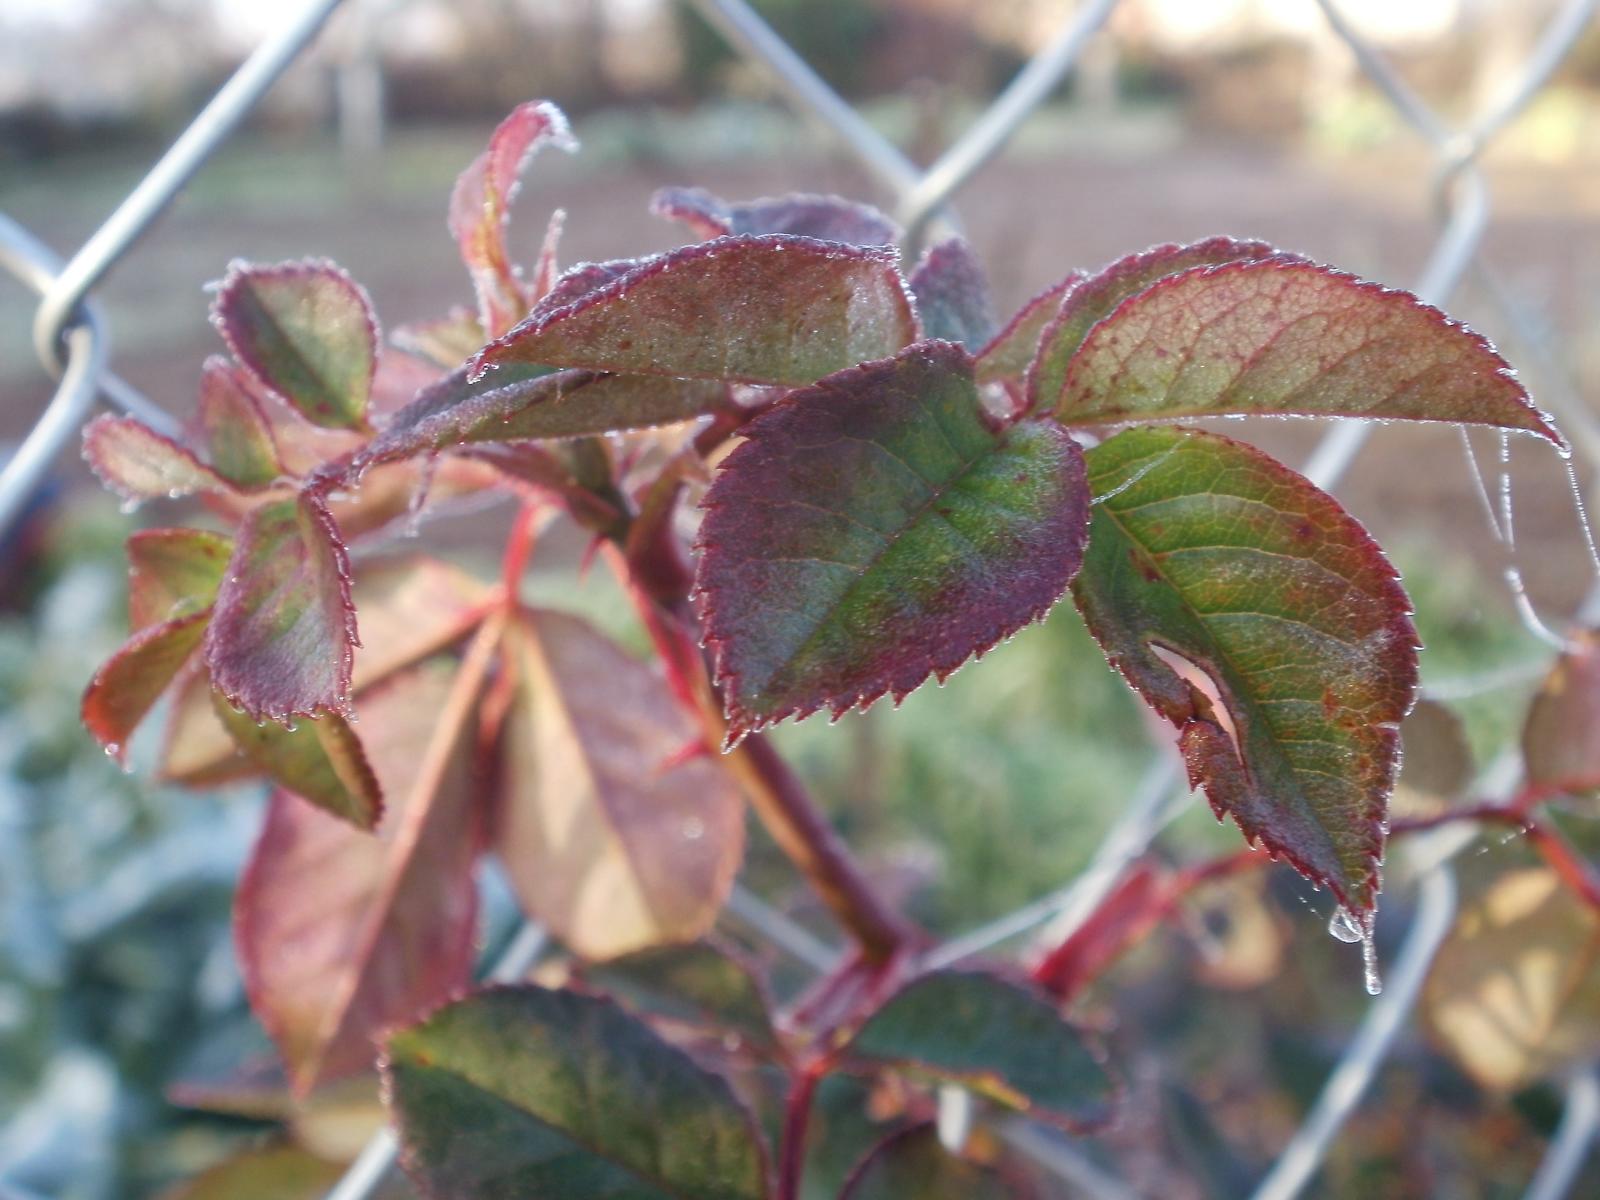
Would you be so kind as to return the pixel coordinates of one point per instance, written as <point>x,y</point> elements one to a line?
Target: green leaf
<point>283,632</point>
<point>306,331</point>
<point>1093,298</point>
<point>912,1165</point>
<point>700,984</point>
<point>876,529</point>
<point>1000,1038</point>
<point>1561,738</point>
<point>772,309</point>
<point>1514,994</point>
<point>952,294</point>
<point>236,433</point>
<point>1215,573</point>
<point>268,1173</point>
<point>617,828</point>
<point>522,402</point>
<point>137,463</point>
<point>320,761</point>
<point>1290,338</point>
<point>522,1092</point>
<point>341,934</point>
<point>124,690</point>
<point>173,573</point>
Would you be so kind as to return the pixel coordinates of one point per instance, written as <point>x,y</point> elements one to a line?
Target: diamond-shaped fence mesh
<point>70,337</point>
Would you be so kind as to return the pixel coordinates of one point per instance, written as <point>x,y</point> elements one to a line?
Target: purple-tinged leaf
<point>952,295</point>
<point>124,690</point>
<point>702,985</point>
<point>446,341</point>
<point>769,310</point>
<point>173,573</point>
<point>529,1092</point>
<point>873,530</point>
<point>319,761</point>
<point>1514,994</point>
<point>826,218</point>
<point>617,829</point>
<point>343,934</point>
<point>1290,338</point>
<point>283,632</point>
<point>1255,614</point>
<point>138,463</point>
<point>999,1037</point>
<point>521,402</point>
<point>913,1164</point>
<point>234,431</point>
<point>306,331</point>
<point>1094,298</point>
<point>1011,351</point>
<point>480,205</point>
<point>1561,738</point>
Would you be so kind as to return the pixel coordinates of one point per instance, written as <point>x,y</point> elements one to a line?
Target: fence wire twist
<point>72,342</point>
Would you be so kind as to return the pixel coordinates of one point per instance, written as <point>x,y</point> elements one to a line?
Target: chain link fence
<point>71,340</point>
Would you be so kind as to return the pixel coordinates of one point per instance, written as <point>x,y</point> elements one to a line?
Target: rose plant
<point>909,483</point>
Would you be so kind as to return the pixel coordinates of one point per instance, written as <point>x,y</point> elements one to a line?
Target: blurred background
<point>119,1002</point>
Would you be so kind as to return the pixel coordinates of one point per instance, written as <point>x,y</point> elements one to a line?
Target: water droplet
<point>1369,966</point>
<point>113,749</point>
<point>694,829</point>
<point>130,505</point>
<point>290,727</point>
<point>1344,926</point>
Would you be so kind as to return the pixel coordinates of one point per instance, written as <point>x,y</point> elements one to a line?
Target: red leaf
<point>305,331</point>
<point>775,309</point>
<point>873,530</point>
<point>133,678</point>
<point>481,205</point>
<point>952,295</point>
<point>1007,356</point>
<point>826,218</point>
<point>341,934</point>
<point>282,637</point>
<point>235,432</point>
<point>138,463</point>
<point>608,835</point>
<point>1288,337</point>
<point>173,572</point>
<point>1092,299</point>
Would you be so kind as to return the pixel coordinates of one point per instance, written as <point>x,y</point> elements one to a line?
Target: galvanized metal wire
<point>72,342</point>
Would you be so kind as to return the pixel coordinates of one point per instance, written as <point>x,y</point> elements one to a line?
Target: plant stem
<point>518,546</point>
<point>786,809</point>
<point>796,1116</point>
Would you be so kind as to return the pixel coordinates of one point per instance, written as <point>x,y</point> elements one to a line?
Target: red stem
<point>796,1117</point>
<point>519,545</point>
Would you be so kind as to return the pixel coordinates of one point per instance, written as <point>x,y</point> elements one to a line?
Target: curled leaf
<point>773,309</point>
<point>320,761</point>
<point>873,530</point>
<point>306,331</point>
<point>481,204</point>
<point>124,690</point>
<point>235,432</point>
<point>826,218</point>
<point>281,640</point>
<point>1007,356</point>
<point>1255,614</point>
